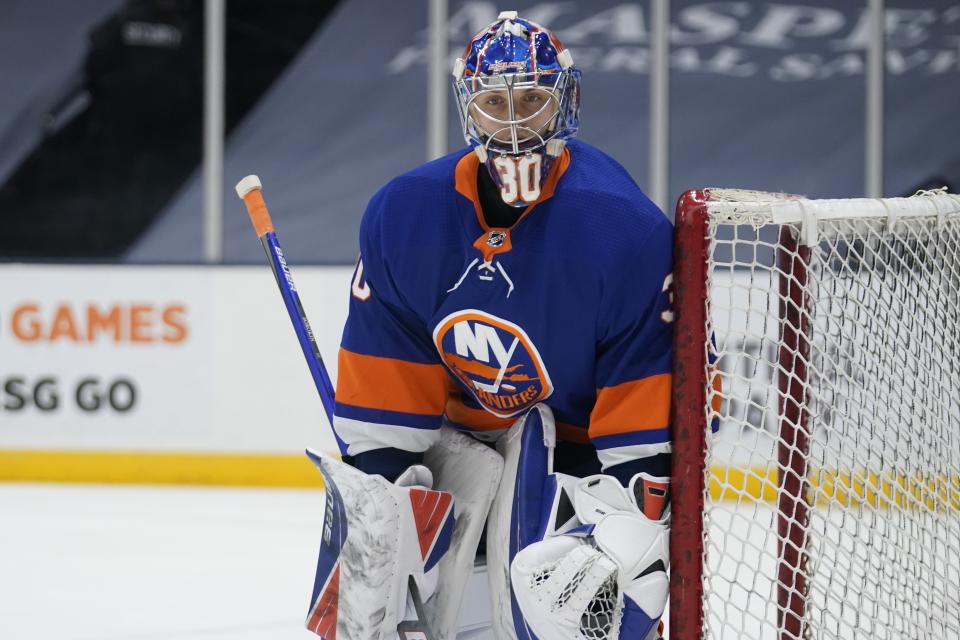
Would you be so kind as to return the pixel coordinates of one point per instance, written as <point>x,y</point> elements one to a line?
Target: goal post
<point>816,464</point>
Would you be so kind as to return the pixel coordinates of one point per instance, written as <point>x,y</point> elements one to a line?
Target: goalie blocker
<point>394,562</point>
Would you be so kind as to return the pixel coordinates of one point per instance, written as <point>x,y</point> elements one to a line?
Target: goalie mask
<point>518,95</point>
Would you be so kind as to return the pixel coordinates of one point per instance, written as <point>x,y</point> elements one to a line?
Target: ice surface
<point>149,563</point>
<point>146,563</point>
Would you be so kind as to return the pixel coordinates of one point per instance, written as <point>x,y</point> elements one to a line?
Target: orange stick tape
<point>257,209</point>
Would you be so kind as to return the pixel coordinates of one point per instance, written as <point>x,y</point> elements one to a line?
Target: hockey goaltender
<point>505,365</point>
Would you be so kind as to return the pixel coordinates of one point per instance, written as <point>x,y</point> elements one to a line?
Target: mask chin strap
<point>555,147</point>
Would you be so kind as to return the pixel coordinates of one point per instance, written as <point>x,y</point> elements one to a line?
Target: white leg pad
<point>471,471</point>
<point>529,459</point>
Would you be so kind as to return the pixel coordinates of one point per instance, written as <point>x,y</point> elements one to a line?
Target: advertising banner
<point>162,359</point>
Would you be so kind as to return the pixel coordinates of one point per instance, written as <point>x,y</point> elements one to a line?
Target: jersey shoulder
<point>599,200</point>
<point>421,184</point>
<point>414,206</point>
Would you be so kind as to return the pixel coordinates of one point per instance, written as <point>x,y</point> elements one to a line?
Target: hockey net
<point>817,417</point>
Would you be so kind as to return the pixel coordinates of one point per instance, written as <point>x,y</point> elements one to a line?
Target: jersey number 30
<point>520,177</point>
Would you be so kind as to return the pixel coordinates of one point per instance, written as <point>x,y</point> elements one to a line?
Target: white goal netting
<point>839,366</point>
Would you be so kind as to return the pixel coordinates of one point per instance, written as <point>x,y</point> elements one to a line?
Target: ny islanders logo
<point>493,358</point>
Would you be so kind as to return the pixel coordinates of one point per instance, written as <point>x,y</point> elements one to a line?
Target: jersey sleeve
<point>630,420</point>
<point>391,385</point>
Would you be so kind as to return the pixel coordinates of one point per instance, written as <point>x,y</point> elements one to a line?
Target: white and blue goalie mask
<point>518,95</point>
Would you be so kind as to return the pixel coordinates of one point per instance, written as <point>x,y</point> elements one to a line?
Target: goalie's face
<point>515,119</point>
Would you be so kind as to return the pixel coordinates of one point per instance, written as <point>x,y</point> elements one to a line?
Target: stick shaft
<point>263,225</point>
<point>298,317</point>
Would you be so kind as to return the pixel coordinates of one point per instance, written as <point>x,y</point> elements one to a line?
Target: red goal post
<point>822,339</point>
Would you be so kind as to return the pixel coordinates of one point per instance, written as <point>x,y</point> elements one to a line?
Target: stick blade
<point>416,629</point>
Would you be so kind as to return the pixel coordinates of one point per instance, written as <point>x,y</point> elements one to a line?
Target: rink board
<point>161,374</point>
<point>221,394</point>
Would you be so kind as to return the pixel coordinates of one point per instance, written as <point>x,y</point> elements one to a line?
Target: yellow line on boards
<point>849,489</point>
<point>140,467</point>
<point>936,492</point>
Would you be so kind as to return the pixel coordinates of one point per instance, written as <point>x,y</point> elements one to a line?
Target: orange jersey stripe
<point>481,420</point>
<point>476,419</point>
<point>373,382</point>
<point>638,405</point>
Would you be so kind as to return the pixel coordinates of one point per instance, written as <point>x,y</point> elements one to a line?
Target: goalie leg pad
<point>470,471</point>
<point>528,490</point>
<point>376,536</point>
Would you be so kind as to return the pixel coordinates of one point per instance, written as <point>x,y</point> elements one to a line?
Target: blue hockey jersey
<point>452,320</point>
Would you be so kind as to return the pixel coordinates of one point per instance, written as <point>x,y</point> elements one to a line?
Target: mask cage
<point>563,88</point>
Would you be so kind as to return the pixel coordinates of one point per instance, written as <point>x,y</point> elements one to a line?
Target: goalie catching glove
<point>604,576</point>
<point>571,558</point>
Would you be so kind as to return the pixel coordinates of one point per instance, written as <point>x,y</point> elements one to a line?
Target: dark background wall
<point>326,102</point>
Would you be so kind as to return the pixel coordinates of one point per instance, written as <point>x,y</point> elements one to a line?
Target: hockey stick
<point>249,190</point>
